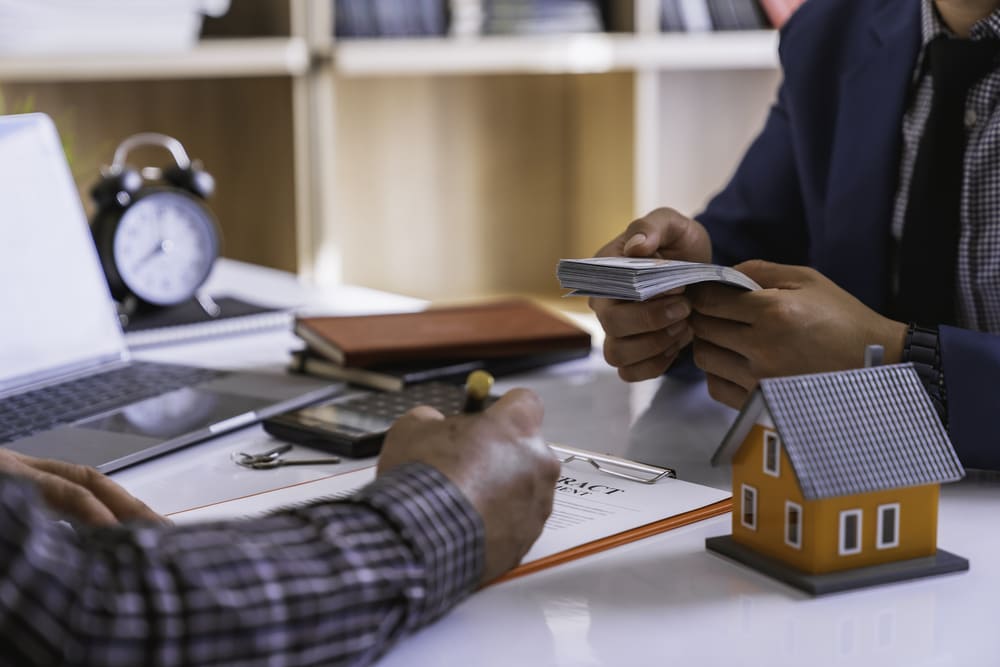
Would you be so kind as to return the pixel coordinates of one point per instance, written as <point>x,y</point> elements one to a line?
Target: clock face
<point>164,247</point>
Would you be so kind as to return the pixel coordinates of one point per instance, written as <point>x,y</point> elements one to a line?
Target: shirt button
<point>970,118</point>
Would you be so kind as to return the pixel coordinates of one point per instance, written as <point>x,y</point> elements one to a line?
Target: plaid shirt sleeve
<point>327,584</point>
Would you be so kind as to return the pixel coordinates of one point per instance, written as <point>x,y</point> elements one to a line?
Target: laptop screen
<point>55,307</point>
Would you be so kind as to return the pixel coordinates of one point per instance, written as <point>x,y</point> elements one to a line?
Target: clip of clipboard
<point>613,465</point>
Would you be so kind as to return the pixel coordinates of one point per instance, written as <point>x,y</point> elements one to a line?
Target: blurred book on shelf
<point>724,15</point>
<point>685,16</point>
<point>49,27</point>
<point>737,15</point>
<point>390,18</point>
<point>533,17</point>
<point>467,18</point>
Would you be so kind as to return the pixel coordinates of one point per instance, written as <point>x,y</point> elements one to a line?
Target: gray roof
<point>853,431</point>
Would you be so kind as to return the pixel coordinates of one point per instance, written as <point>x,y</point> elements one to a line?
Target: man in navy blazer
<point>810,214</point>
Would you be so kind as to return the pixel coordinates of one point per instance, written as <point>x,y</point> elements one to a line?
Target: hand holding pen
<point>487,457</point>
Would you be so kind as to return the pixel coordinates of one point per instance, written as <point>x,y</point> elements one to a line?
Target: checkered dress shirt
<point>329,584</point>
<point>978,279</point>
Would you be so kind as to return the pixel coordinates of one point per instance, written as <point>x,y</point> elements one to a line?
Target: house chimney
<point>874,355</point>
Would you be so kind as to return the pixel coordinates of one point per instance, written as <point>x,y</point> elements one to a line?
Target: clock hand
<point>164,247</point>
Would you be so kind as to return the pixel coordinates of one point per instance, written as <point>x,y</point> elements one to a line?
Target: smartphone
<point>355,426</point>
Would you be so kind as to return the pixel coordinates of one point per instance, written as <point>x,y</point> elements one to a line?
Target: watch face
<point>164,247</point>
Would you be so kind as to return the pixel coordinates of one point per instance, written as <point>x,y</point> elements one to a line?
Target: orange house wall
<point>821,518</point>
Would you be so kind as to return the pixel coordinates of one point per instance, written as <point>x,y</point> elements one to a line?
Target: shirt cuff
<point>442,527</point>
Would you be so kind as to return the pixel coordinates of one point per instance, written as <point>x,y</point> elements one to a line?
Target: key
<point>277,463</point>
<point>269,455</point>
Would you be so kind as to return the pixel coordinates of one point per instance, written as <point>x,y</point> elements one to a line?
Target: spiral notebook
<point>190,321</point>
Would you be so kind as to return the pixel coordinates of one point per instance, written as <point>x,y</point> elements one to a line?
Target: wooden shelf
<point>211,58</point>
<point>562,54</point>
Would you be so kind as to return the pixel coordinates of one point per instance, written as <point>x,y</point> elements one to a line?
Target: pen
<point>477,389</point>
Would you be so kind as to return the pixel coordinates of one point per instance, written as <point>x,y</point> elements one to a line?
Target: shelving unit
<point>562,54</point>
<point>438,167</point>
<point>210,59</point>
<point>572,133</point>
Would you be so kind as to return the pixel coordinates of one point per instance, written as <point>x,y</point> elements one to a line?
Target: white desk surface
<point>661,601</point>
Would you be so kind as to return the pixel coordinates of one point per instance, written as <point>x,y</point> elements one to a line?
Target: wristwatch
<point>922,348</point>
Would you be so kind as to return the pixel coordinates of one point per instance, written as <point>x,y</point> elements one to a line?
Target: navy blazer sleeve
<point>971,362</point>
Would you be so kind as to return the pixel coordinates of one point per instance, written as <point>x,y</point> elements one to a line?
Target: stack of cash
<point>639,278</point>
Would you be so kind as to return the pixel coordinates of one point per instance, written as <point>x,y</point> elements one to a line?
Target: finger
<point>70,499</point>
<point>656,233</point>
<point>727,303</point>
<point>122,504</point>
<point>724,363</point>
<point>770,275</point>
<point>727,334</point>
<point>620,352</point>
<point>646,370</point>
<point>629,318</point>
<point>520,407</point>
<point>726,392</point>
<point>416,418</point>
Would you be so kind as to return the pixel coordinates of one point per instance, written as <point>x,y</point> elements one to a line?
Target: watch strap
<point>922,348</point>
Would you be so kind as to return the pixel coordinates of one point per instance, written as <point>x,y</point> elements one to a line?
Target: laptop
<point>68,387</point>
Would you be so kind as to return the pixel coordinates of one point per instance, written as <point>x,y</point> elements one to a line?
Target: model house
<point>836,473</point>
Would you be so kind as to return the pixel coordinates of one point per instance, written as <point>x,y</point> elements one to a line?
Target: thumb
<point>663,229</point>
<point>770,275</point>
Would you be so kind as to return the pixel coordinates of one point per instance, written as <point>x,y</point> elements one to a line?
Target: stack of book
<point>414,18</point>
<point>390,18</point>
<point>640,278</point>
<point>390,352</point>
<point>102,26</point>
<point>532,17</point>
<point>707,15</point>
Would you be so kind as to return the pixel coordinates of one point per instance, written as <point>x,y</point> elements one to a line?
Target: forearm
<point>334,583</point>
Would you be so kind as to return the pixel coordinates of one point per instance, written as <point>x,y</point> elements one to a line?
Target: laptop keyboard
<point>64,403</point>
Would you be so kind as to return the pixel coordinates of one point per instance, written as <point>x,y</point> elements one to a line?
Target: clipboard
<point>601,501</point>
<point>614,465</point>
<point>672,504</point>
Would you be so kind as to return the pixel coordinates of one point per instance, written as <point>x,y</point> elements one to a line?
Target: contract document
<point>593,510</point>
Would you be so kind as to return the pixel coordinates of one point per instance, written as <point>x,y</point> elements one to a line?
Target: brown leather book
<point>482,331</point>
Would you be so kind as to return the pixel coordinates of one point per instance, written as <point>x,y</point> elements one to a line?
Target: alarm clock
<point>156,237</point>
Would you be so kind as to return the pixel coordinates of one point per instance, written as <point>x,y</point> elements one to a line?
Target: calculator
<point>355,426</point>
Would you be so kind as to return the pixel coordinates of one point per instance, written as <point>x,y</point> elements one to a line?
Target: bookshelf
<point>211,59</point>
<point>563,54</point>
<point>437,167</point>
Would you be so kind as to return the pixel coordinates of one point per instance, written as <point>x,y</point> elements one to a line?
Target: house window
<point>888,526</point>
<point>772,453</point>
<point>850,532</point>
<point>748,512</point>
<point>793,524</point>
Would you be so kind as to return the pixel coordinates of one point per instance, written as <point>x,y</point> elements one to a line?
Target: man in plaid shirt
<point>456,503</point>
